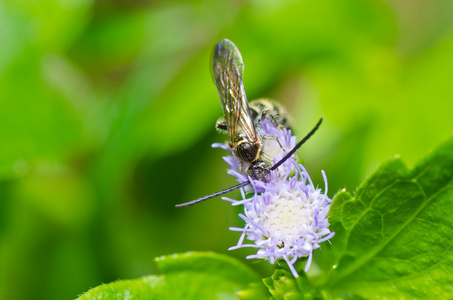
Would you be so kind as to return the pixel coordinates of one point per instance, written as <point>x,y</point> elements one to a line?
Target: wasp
<point>260,110</point>
<point>241,121</point>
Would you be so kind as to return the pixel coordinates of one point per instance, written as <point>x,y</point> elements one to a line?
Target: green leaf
<point>254,291</point>
<point>394,236</point>
<point>192,275</point>
<point>282,285</point>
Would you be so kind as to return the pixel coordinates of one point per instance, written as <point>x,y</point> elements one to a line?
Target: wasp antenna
<point>225,191</point>
<point>288,155</point>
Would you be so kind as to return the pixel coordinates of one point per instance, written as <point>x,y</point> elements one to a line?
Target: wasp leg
<point>267,157</point>
<point>242,169</point>
<point>268,137</point>
<point>221,125</point>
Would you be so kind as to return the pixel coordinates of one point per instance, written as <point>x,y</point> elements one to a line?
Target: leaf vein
<point>360,262</point>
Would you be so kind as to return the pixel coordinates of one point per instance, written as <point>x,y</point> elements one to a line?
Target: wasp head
<point>260,170</point>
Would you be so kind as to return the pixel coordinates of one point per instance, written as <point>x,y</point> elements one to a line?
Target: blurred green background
<point>107,113</point>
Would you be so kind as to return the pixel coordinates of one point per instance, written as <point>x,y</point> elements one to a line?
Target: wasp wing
<point>228,69</point>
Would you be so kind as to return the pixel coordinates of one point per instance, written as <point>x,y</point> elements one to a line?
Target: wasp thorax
<point>247,151</point>
<point>259,170</point>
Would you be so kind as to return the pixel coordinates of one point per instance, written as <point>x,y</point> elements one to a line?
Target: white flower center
<point>287,214</point>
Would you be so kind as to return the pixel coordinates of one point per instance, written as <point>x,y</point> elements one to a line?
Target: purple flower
<point>287,217</point>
